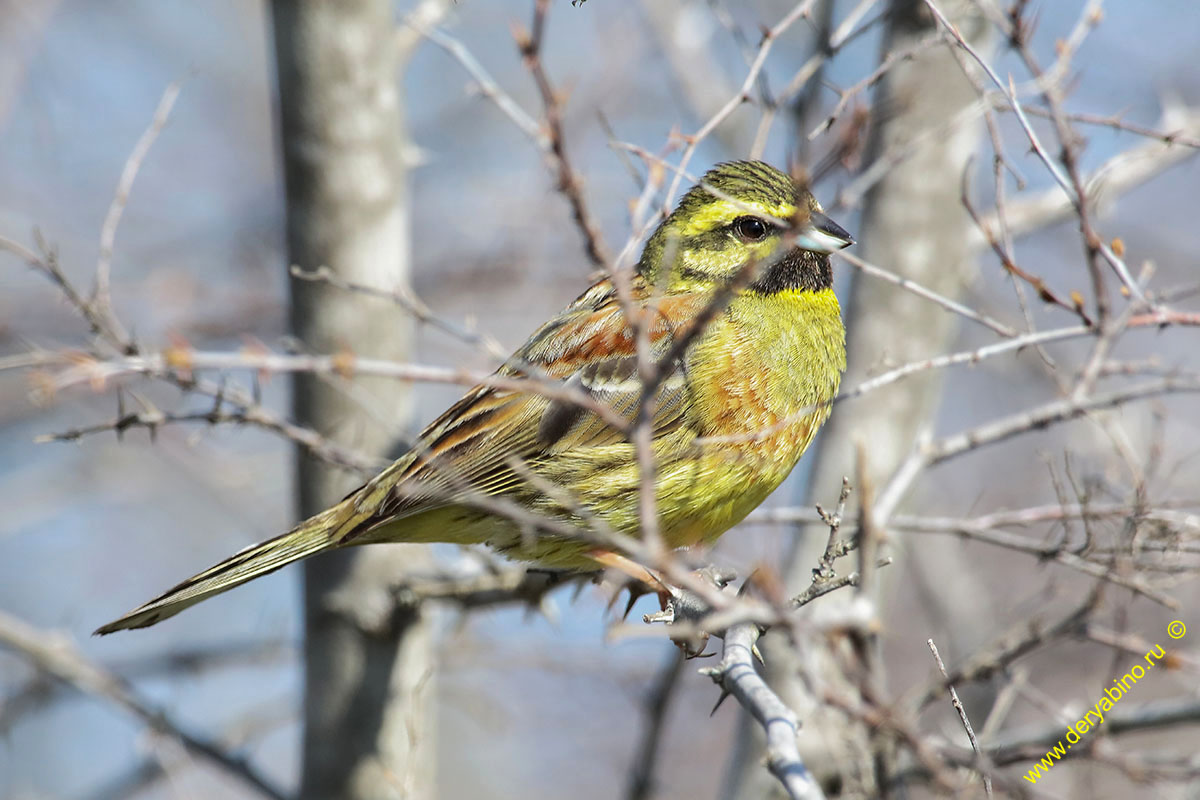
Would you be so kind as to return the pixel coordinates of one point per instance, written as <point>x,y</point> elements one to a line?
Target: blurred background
<point>528,704</point>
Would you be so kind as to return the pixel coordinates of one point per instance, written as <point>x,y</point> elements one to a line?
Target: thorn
<point>612,601</point>
<point>120,431</point>
<point>721,699</point>
<point>633,598</point>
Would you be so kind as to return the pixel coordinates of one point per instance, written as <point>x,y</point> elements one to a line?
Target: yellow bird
<point>748,343</point>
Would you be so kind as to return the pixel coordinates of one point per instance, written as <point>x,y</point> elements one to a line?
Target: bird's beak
<point>823,235</point>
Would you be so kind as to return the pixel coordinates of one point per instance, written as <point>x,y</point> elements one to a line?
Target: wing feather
<point>589,346</point>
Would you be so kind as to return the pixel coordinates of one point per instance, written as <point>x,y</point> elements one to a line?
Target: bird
<point>743,351</point>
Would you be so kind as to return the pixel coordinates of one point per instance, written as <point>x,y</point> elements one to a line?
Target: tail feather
<point>309,537</point>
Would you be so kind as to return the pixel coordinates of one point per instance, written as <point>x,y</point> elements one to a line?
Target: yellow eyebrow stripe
<point>722,212</point>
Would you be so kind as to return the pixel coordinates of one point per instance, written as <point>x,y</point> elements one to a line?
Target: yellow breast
<point>769,368</point>
<point>763,378</point>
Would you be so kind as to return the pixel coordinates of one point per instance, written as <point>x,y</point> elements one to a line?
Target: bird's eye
<point>751,229</point>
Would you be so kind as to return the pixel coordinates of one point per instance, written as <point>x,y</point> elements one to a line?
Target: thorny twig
<point>737,675</point>
<point>738,678</point>
<point>1095,557</point>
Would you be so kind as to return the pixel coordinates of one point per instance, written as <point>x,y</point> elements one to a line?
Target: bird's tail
<point>311,536</point>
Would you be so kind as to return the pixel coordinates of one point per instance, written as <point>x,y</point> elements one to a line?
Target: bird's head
<point>744,213</point>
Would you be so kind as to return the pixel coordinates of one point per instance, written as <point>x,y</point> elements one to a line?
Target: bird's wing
<point>590,348</point>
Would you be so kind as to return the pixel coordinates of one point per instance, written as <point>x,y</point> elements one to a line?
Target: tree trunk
<point>367,730</point>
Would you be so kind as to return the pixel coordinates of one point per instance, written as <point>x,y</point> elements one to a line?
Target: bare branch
<point>738,678</point>
<point>102,296</point>
<point>962,714</point>
<point>569,183</point>
<point>57,657</point>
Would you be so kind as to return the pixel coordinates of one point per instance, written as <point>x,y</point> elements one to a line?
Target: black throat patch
<point>798,269</point>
